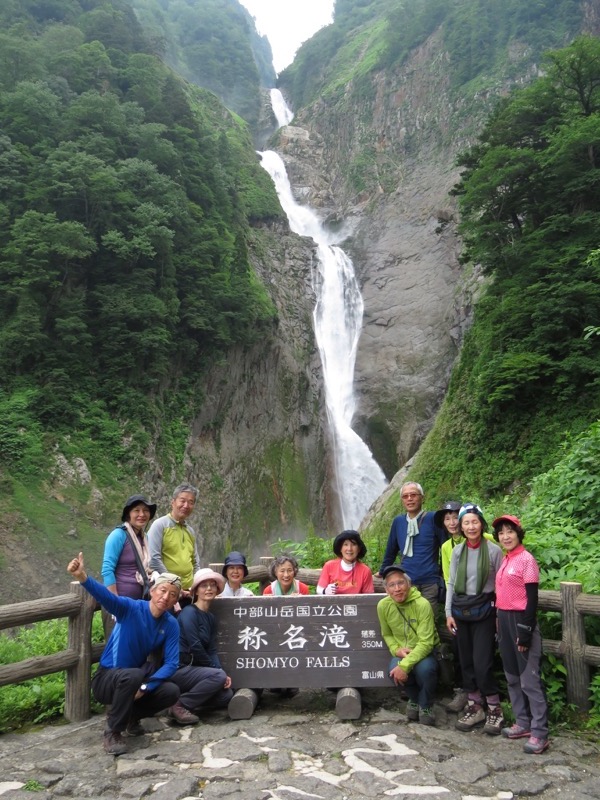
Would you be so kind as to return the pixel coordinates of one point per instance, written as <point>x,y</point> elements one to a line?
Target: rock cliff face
<point>256,451</point>
<point>379,164</point>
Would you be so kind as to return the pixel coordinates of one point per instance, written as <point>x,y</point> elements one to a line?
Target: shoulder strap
<point>138,559</point>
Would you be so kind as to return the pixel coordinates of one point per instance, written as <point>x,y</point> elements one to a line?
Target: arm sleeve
<point>446,556</point>
<point>452,578</point>
<point>155,538</point>
<point>367,583</point>
<point>526,627</point>
<point>324,578</point>
<point>113,547</point>
<point>386,631</point>
<point>196,555</point>
<point>118,606</point>
<point>171,655</point>
<point>392,548</point>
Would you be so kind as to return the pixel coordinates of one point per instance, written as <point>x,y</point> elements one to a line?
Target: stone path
<point>296,750</point>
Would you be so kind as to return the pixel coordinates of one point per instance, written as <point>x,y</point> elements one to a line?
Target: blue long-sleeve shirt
<point>423,566</point>
<point>136,634</point>
<point>198,638</point>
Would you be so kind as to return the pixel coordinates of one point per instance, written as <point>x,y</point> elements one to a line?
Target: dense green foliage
<point>42,698</point>
<point>531,218</point>
<point>214,44</point>
<point>125,200</point>
<point>482,38</point>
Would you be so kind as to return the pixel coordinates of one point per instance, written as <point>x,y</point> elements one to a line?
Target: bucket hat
<point>235,559</point>
<point>135,500</point>
<point>438,517</point>
<point>353,536</point>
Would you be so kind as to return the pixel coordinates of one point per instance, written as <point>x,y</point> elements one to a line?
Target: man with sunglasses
<point>415,536</point>
<point>127,679</point>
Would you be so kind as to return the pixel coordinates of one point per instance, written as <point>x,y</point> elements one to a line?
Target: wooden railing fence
<point>80,654</point>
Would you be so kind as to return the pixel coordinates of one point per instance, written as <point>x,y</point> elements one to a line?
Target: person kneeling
<point>127,680</point>
<point>200,677</point>
<point>408,628</point>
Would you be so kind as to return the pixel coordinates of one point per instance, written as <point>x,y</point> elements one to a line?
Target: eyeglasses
<point>399,585</point>
<point>207,585</point>
<point>410,496</point>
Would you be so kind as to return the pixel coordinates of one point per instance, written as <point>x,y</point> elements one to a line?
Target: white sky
<point>288,23</point>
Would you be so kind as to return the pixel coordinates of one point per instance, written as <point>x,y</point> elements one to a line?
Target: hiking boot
<point>134,728</point>
<point>426,716</point>
<point>459,701</point>
<point>494,720</point>
<point>412,711</point>
<point>182,715</point>
<point>474,714</point>
<point>114,744</point>
<point>516,732</point>
<point>535,745</point>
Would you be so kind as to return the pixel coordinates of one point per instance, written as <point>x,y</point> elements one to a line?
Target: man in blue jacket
<point>418,540</point>
<point>133,686</point>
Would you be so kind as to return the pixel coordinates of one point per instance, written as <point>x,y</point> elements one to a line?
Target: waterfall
<point>337,320</point>
<point>283,113</point>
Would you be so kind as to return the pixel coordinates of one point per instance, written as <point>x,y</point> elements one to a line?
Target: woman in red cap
<point>519,637</point>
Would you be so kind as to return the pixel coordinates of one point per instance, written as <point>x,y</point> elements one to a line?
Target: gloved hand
<point>331,588</point>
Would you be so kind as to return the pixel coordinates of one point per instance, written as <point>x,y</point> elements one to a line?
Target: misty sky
<point>288,23</point>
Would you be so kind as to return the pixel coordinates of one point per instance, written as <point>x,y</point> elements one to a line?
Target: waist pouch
<point>472,608</point>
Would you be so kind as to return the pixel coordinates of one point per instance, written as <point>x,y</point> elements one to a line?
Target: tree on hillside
<point>530,219</point>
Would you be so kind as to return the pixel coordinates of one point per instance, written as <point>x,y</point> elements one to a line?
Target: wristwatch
<point>144,687</point>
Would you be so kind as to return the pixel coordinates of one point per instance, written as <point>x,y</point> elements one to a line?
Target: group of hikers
<point>161,655</point>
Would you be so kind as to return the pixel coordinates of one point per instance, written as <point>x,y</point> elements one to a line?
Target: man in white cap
<point>127,680</point>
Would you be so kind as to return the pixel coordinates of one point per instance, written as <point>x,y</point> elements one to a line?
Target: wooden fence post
<point>573,647</point>
<point>78,679</point>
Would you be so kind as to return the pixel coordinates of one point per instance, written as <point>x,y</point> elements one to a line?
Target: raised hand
<point>76,568</point>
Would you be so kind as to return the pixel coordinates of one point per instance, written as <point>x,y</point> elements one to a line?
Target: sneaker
<point>426,716</point>
<point>516,732</point>
<point>412,711</point>
<point>114,743</point>
<point>474,714</point>
<point>134,728</point>
<point>182,715</point>
<point>494,720</point>
<point>535,745</point>
<point>459,701</point>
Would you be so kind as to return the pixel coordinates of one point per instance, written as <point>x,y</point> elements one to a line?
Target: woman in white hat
<point>200,677</point>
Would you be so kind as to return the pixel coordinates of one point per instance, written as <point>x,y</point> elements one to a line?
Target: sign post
<point>312,641</point>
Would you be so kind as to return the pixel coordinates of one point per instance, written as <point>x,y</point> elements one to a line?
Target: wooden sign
<point>308,641</point>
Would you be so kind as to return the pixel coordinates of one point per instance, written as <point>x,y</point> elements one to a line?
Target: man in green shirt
<point>408,628</point>
<point>172,542</point>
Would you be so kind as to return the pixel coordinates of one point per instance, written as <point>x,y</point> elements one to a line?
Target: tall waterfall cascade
<point>337,321</point>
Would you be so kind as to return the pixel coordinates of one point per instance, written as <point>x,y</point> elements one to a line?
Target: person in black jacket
<point>200,677</point>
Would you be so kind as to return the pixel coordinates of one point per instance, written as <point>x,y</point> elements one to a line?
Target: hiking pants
<point>202,686</point>
<point>117,688</point>
<point>476,648</point>
<point>523,675</point>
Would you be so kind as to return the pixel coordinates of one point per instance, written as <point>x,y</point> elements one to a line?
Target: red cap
<point>507,518</point>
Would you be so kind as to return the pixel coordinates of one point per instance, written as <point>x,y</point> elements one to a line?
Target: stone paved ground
<point>296,750</point>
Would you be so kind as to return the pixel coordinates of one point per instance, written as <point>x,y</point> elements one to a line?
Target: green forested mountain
<point>530,202</point>
<point>214,44</point>
<point>125,197</point>
<point>480,37</point>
